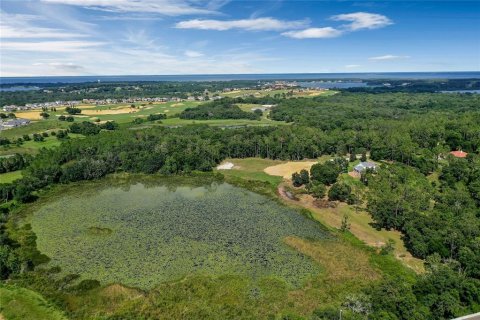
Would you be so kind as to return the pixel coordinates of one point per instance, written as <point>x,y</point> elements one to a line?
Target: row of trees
<point>219,109</point>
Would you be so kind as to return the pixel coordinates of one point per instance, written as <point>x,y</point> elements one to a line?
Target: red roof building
<point>459,154</point>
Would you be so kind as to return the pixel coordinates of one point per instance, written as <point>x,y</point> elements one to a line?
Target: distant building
<point>459,154</point>
<point>362,166</point>
<point>13,123</point>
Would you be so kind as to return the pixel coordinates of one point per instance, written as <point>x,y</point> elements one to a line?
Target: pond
<point>142,233</point>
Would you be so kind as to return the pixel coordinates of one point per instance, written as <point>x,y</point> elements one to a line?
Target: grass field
<point>252,169</point>
<point>120,113</point>
<point>22,304</point>
<point>10,176</point>
<point>32,147</point>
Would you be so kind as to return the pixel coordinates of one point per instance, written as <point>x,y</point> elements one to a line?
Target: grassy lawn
<point>32,147</point>
<point>35,127</point>
<point>252,169</point>
<point>23,304</point>
<point>10,176</point>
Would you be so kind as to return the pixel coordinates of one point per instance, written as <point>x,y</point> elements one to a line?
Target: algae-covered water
<point>142,234</point>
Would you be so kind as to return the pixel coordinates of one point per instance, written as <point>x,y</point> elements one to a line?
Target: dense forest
<point>411,134</point>
<point>417,86</point>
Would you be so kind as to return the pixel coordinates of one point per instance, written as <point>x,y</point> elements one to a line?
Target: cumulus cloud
<point>257,24</point>
<point>165,7</point>
<point>388,57</point>
<point>314,33</point>
<point>363,20</point>
<point>359,21</point>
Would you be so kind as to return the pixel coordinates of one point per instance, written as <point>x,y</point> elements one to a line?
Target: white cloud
<point>388,57</point>
<point>363,20</point>
<point>314,33</point>
<point>193,54</point>
<point>48,46</point>
<point>62,66</point>
<point>352,66</point>
<point>19,26</point>
<point>165,7</point>
<point>257,24</point>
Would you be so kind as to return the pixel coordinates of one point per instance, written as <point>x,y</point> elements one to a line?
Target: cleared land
<point>252,169</point>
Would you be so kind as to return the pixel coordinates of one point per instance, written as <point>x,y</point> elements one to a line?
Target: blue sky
<point>121,37</point>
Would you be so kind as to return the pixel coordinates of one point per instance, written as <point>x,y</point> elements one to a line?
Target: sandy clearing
<point>30,115</point>
<point>111,111</point>
<point>177,104</point>
<point>286,170</point>
<point>225,166</point>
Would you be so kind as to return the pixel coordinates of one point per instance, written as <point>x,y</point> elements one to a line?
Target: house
<point>362,166</point>
<point>459,154</point>
<point>13,123</point>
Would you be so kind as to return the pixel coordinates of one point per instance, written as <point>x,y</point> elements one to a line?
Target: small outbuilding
<point>362,166</point>
<point>459,154</point>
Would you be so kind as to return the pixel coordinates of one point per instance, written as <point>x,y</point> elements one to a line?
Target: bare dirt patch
<point>177,105</point>
<point>225,166</point>
<point>286,170</point>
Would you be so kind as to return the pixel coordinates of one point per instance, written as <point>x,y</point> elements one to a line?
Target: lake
<point>228,77</point>
<point>148,231</point>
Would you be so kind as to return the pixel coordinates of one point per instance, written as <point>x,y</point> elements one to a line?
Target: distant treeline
<point>417,86</point>
<point>117,90</point>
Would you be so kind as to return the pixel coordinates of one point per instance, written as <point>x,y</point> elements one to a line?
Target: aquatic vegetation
<point>141,233</point>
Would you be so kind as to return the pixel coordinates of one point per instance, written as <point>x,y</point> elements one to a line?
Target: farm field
<point>145,233</point>
<point>120,113</point>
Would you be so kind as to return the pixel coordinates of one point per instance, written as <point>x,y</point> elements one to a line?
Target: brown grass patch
<point>106,300</point>
<point>30,115</point>
<point>286,170</point>
<point>360,227</point>
<point>347,270</point>
<point>342,261</point>
<point>110,111</point>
